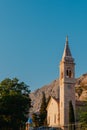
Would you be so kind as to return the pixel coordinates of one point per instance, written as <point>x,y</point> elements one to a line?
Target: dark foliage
<point>14,104</point>
<point>43,112</point>
<point>71,117</point>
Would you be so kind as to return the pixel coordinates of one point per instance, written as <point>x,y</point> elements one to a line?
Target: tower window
<point>49,120</point>
<point>68,73</point>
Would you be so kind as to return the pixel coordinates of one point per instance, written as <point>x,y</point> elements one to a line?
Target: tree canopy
<point>43,112</point>
<point>39,118</point>
<point>14,103</point>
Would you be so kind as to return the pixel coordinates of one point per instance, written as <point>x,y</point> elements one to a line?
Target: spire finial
<point>67,39</point>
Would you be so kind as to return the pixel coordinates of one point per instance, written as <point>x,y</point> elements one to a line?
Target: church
<point>58,109</point>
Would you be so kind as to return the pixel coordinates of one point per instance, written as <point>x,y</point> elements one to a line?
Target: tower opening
<point>68,73</point>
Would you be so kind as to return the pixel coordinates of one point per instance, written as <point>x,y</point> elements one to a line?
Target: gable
<point>53,112</point>
<point>53,103</point>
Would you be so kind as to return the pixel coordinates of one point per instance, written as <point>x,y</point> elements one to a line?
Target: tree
<point>71,117</point>
<point>14,103</point>
<point>35,118</point>
<point>43,112</point>
<point>83,114</point>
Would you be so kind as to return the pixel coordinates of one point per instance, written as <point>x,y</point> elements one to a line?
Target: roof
<point>67,52</point>
<point>55,99</point>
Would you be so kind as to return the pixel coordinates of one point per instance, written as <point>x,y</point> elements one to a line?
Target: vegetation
<point>40,119</point>
<point>14,104</point>
<point>35,118</point>
<point>83,117</point>
<point>43,112</point>
<point>71,116</point>
<point>82,114</point>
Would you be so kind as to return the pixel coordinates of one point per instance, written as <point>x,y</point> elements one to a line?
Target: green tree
<point>83,114</point>
<point>14,104</point>
<point>43,112</point>
<point>83,117</point>
<point>35,118</point>
<point>71,117</point>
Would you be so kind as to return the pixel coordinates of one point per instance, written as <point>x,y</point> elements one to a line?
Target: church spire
<point>67,52</point>
<point>66,39</point>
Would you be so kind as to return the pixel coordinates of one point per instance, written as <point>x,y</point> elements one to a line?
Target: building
<point>58,109</point>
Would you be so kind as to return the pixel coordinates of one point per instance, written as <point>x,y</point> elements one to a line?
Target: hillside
<point>52,89</point>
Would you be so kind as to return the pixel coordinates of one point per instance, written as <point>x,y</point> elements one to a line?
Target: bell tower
<point>67,82</point>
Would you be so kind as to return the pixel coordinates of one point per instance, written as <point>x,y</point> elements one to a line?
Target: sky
<point>32,38</point>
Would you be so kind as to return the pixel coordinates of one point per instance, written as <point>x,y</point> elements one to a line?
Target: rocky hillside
<point>52,89</point>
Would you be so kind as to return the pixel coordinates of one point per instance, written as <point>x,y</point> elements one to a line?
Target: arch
<point>69,73</point>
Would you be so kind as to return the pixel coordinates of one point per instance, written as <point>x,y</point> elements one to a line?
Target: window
<point>68,73</point>
<point>55,118</point>
<point>49,120</point>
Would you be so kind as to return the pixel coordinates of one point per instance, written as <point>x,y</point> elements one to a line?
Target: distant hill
<point>52,89</point>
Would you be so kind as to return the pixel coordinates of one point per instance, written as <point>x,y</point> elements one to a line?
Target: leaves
<point>14,103</point>
<point>43,112</point>
<point>83,115</point>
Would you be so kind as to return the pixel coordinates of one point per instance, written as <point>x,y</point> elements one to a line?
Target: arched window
<point>69,73</point>
<point>55,118</point>
<point>48,119</point>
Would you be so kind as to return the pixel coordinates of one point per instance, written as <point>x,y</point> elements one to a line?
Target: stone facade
<point>53,113</point>
<point>67,82</point>
<point>67,90</point>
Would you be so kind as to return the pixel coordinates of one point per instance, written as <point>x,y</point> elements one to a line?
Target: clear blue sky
<point>32,38</point>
